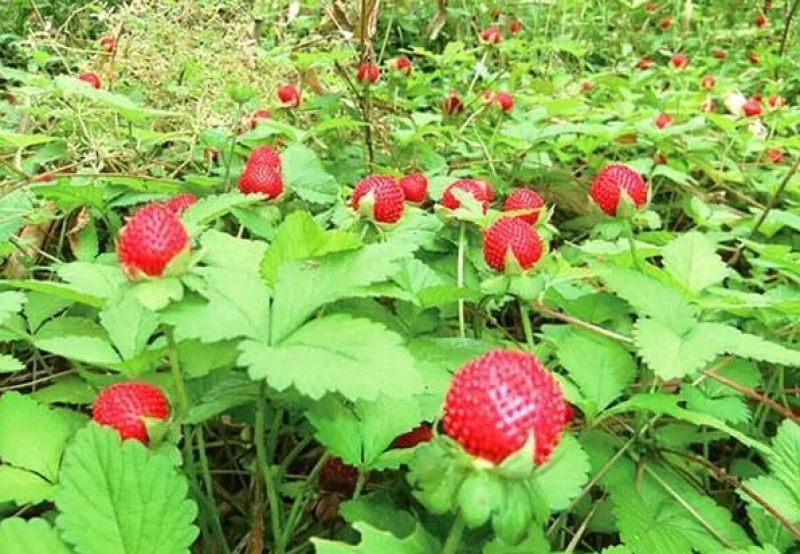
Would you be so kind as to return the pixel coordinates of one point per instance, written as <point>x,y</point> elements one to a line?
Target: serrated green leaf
<point>564,475</point>
<point>693,261</point>
<point>33,536</point>
<point>77,338</point>
<point>355,363</point>
<point>601,368</point>
<point>92,279</point>
<point>226,251</point>
<point>23,487</point>
<point>129,325</point>
<point>120,498</point>
<point>9,364</point>
<point>304,174</point>
<point>11,302</point>
<point>784,463</point>
<point>374,541</point>
<point>211,208</point>
<point>218,393</point>
<point>757,348</point>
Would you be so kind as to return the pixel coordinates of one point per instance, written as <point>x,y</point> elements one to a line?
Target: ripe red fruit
<point>511,237</point>
<point>774,155</point>
<point>335,476</point>
<point>776,101</point>
<point>91,78</point>
<point>754,57</point>
<point>259,116</point>
<point>491,36</point>
<point>645,63</point>
<point>109,44</point>
<point>666,23</point>
<point>664,120</point>
<point>525,199</point>
<point>261,178</point>
<point>708,106</point>
<point>761,21</point>
<point>123,407</point>
<point>289,96</point>
<point>265,155</point>
<point>514,27</point>
<point>680,61</point>
<point>499,401</point>
<point>419,435</point>
<point>479,190</point>
<point>720,54</point>
<point>752,108</point>
<point>152,239</point>
<point>415,187</point>
<point>611,180</point>
<point>402,65</point>
<point>504,101</point>
<point>587,86</point>
<point>180,203</point>
<point>452,104</point>
<point>708,82</point>
<point>385,196</point>
<point>368,73</point>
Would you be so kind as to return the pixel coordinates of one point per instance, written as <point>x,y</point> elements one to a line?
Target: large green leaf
<point>356,357</point>
<point>375,541</point>
<point>693,261</point>
<point>23,487</point>
<point>78,339</point>
<point>34,536</point>
<point>129,325</point>
<point>564,475</point>
<point>11,302</point>
<point>121,498</point>
<point>304,174</point>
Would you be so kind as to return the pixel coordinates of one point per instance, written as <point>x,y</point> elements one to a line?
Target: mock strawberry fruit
<point>289,96</point>
<point>337,477</point>
<point>587,87</point>
<point>754,57</point>
<point>666,23</point>
<point>720,54</point>
<point>109,44</point>
<point>510,239</point>
<point>402,65</point>
<point>680,61</point>
<point>265,155</point>
<point>259,116</point>
<point>611,181</point>
<point>261,178</point>
<point>503,101</point>
<point>368,73</point>
<point>774,155</point>
<point>452,104</point>
<point>479,190</point>
<point>500,401</point>
<point>525,201</point>
<point>708,82</point>
<point>124,407</point>
<point>419,435</point>
<point>380,198</point>
<point>776,101</point>
<point>152,239</point>
<point>514,27</point>
<point>645,63</point>
<point>91,78</point>
<point>761,21</point>
<point>752,108</point>
<point>415,187</point>
<point>664,120</point>
<point>180,203</point>
<point>491,36</point>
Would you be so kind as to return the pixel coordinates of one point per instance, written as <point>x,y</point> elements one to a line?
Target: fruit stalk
<point>632,244</point>
<point>265,470</point>
<point>454,537</point>
<point>525,315</point>
<point>462,236</point>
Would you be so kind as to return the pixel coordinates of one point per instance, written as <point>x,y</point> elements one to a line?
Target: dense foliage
<point>399,277</point>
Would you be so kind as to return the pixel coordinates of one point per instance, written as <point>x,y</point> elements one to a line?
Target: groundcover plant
<point>399,277</point>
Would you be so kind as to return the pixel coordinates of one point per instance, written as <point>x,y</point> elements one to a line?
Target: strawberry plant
<point>407,277</point>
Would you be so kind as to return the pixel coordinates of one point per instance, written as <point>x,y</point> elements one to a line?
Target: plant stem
<point>775,197</point>
<point>525,315</point>
<point>177,374</point>
<point>454,537</point>
<point>462,239</point>
<point>229,157</point>
<point>362,479</point>
<point>209,485</point>
<point>785,37</point>
<point>632,244</point>
<point>265,469</point>
<point>299,502</point>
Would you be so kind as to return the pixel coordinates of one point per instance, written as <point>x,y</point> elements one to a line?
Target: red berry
<point>501,400</point>
<point>289,96</point>
<point>515,27</point>
<point>491,36</point>
<point>680,61</point>
<point>109,44</point>
<point>123,406</point>
<point>752,108</point>
<point>479,190</point>
<point>587,86</point>
<point>452,104</point>
<point>415,187</point>
<point>754,57</point>
<point>385,195</point>
<point>402,65</point>
<point>645,63</point>
<point>524,199</point>
<point>335,476</point>
<point>708,82</point>
<point>776,101</point>
<point>666,23</point>
<point>152,239</point>
<point>504,101</point>
<point>261,178</point>
<point>664,120</point>
<point>513,237</point>
<point>180,203</point>
<point>91,78</point>
<point>611,180</point>
<point>265,155</point>
<point>259,116</point>
<point>661,159</point>
<point>720,54</point>
<point>419,435</point>
<point>774,155</point>
<point>368,73</point>
<point>761,21</point>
